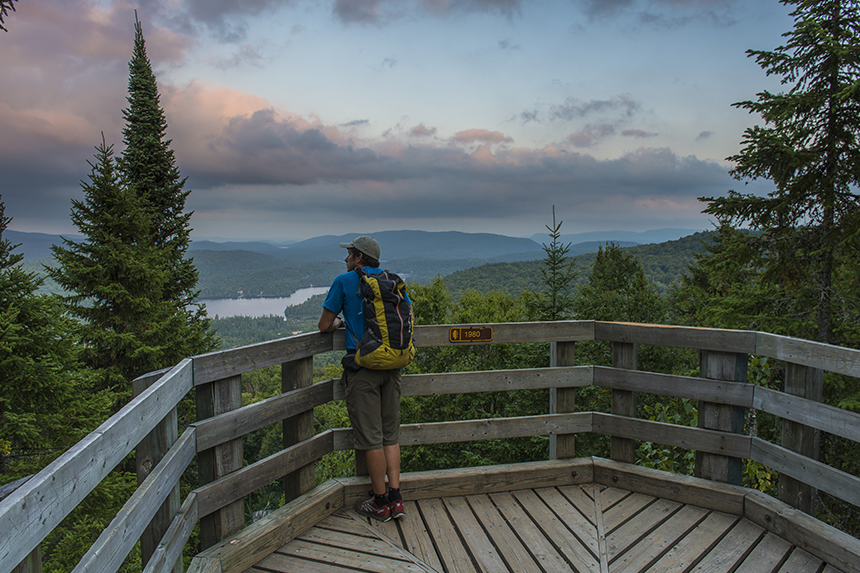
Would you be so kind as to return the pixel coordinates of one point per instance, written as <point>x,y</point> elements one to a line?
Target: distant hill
<point>619,237</point>
<point>35,245</point>
<point>467,260</point>
<point>663,263</point>
<point>395,245</point>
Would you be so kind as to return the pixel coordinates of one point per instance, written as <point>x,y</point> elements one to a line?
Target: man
<point>372,396</point>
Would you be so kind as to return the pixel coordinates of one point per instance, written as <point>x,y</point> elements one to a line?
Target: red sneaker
<point>396,509</point>
<point>369,508</point>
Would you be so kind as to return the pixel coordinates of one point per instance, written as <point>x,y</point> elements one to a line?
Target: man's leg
<point>392,465</point>
<point>376,467</point>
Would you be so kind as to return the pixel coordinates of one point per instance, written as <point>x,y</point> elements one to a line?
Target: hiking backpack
<point>386,342</point>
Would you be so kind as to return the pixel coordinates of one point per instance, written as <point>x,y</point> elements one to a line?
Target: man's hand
<point>329,321</point>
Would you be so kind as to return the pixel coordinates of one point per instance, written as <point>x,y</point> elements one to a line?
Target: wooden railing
<point>148,423</point>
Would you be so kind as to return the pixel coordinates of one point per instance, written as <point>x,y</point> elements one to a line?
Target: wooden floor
<point>568,528</point>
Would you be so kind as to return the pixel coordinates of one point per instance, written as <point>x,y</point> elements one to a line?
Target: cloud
<point>590,136</point>
<point>663,13</point>
<point>529,115</point>
<point>383,12</point>
<point>356,123</point>
<point>507,45</point>
<point>704,135</point>
<point>483,135</point>
<point>422,130</point>
<point>572,108</point>
<point>638,133</point>
<point>246,56</point>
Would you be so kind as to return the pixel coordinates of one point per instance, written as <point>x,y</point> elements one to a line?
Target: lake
<point>225,307</point>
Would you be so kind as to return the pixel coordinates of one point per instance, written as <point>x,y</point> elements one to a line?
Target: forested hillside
<point>663,263</point>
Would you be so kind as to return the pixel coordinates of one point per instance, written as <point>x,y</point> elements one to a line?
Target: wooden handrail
<point>37,506</point>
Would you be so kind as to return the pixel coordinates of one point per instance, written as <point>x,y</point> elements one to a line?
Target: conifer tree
<point>46,397</point>
<point>557,274</point>
<point>809,148</point>
<point>118,279</point>
<point>148,165</point>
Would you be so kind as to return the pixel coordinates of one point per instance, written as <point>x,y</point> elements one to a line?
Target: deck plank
<point>609,496</point>
<point>541,549</point>
<point>581,500</point>
<point>339,556</point>
<point>556,531</point>
<point>766,556</point>
<point>481,547</point>
<point>348,541</point>
<point>516,556</point>
<point>801,562</point>
<point>650,546</point>
<point>696,544</point>
<point>418,541</point>
<point>579,524</point>
<point>287,564</point>
<point>731,549</point>
<point>452,553</point>
<point>625,510</point>
<point>626,535</point>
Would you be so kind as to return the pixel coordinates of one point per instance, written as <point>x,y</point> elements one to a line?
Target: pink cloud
<point>422,130</point>
<point>590,136</point>
<point>483,135</point>
<point>638,133</point>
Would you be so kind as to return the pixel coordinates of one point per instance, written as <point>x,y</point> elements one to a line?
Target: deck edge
<point>834,547</point>
<point>683,489</point>
<point>260,539</point>
<point>480,480</point>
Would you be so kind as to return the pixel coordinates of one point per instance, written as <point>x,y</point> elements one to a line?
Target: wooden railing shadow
<point>155,516</point>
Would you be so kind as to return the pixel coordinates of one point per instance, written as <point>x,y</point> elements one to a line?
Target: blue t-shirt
<point>345,296</point>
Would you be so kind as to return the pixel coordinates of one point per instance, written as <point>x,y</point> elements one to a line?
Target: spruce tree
<point>809,149</point>
<point>46,397</point>
<point>118,278</point>
<point>557,274</point>
<point>148,165</point>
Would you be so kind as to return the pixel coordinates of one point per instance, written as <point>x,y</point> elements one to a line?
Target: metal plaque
<point>470,334</point>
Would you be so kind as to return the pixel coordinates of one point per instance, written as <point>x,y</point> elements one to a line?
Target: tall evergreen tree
<point>809,148</point>
<point>148,165</point>
<point>118,280</point>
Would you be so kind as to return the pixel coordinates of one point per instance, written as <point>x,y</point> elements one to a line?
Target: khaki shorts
<point>373,405</point>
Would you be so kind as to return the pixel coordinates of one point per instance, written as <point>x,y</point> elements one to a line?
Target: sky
<point>299,118</point>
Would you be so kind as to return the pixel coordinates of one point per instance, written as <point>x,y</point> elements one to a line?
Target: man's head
<point>364,251</point>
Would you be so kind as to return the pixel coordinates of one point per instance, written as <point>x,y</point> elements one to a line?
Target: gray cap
<point>364,244</point>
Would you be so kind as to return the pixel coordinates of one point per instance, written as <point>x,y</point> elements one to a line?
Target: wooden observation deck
<point>563,514</point>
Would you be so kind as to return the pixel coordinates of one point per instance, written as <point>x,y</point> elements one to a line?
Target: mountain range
<point>264,268</point>
<point>446,245</point>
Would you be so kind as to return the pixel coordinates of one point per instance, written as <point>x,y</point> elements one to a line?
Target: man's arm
<point>329,321</point>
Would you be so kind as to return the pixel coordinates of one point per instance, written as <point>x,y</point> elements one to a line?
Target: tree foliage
<point>5,6</point>
<point>132,286</point>
<point>809,149</point>
<point>47,401</point>
<point>554,301</point>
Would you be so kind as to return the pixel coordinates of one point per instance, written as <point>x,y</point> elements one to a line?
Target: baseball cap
<point>364,244</point>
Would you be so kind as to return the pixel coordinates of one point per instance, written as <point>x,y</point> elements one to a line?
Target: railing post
<point>212,399</point>
<point>807,383</point>
<point>624,355</point>
<point>562,400</point>
<point>147,455</point>
<point>294,375</point>
<point>732,367</point>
